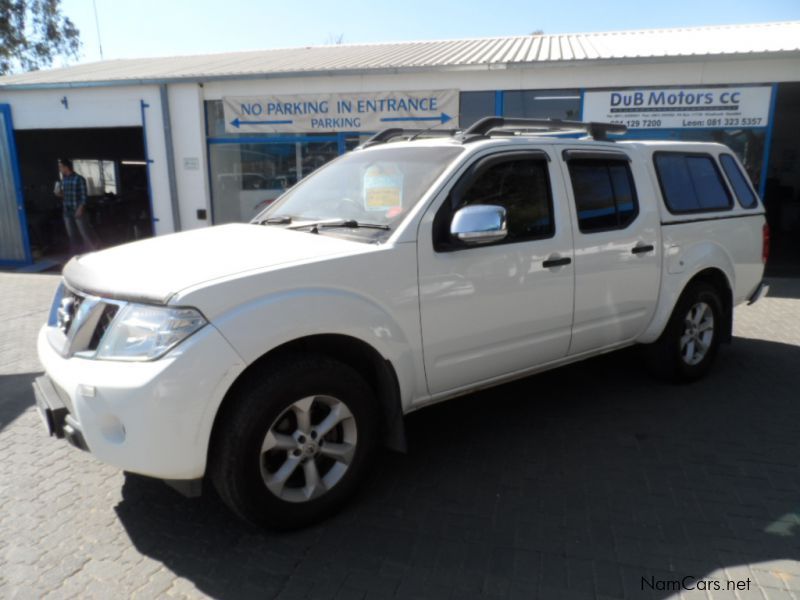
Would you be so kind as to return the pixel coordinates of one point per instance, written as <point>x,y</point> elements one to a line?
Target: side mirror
<point>479,224</point>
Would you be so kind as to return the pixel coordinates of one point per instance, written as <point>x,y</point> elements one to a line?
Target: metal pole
<point>97,26</point>
<point>173,184</point>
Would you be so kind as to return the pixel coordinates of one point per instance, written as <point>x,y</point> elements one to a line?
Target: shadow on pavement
<point>784,287</point>
<point>581,481</point>
<point>16,396</point>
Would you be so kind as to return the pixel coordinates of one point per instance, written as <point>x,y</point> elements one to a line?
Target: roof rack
<point>484,127</point>
<point>385,135</point>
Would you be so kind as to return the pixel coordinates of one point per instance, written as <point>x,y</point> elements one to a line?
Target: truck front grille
<point>69,304</point>
<point>82,321</point>
<point>108,314</point>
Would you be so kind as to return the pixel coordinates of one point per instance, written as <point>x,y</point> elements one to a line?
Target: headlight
<point>142,332</point>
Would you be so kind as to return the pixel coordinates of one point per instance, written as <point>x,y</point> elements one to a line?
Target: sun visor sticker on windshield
<point>383,188</point>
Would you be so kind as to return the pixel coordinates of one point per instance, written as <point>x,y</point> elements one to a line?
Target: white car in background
<point>271,359</point>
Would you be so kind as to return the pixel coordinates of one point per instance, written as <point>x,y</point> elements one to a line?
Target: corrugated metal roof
<point>495,52</point>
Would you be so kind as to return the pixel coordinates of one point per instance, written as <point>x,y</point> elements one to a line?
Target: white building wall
<point>85,107</point>
<point>187,115</point>
<point>96,107</point>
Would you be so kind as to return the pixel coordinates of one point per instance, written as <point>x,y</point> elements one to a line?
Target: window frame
<point>717,169</point>
<point>745,177</point>
<point>472,172</point>
<point>605,157</point>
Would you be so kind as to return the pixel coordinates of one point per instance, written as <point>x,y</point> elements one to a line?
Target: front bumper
<point>54,413</point>
<point>153,418</point>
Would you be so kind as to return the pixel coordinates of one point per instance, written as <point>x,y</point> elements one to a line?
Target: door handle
<point>556,262</point>
<point>640,249</point>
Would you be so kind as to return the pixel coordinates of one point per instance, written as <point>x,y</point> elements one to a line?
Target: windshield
<point>375,186</point>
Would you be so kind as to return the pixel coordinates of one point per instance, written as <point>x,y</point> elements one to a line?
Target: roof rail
<point>500,126</point>
<point>598,131</point>
<point>385,135</point>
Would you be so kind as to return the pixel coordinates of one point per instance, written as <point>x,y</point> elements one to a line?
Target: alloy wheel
<point>698,333</point>
<point>308,448</point>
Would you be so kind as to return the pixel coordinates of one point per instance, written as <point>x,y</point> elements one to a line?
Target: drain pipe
<point>173,183</point>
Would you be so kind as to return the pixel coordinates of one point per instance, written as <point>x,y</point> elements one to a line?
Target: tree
<point>33,33</point>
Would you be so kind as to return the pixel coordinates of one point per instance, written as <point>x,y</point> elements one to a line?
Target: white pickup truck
<point>272,358</point>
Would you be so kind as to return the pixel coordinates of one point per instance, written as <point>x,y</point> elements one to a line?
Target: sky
<point>139,28</point>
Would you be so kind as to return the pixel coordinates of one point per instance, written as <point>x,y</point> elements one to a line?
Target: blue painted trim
<point>499,102</point>
<point>14,263</point>
<point>442,118</point>
<point>5,111</point>
<point>272,139</point>
<point>341,144</point>
<point>143,106</point>
<point>580,110</point>
<point>762,185</point>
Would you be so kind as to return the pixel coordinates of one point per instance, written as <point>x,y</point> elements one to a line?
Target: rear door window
<point>691,183</point>
<point>604,194</point>
<point>738,180</point>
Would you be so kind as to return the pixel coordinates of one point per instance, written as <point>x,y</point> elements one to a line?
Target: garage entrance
<point>112,160</point>
<point>782,192</point>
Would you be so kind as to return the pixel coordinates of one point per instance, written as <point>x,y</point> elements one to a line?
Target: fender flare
<point>698,260</point>
<point>288,319</point>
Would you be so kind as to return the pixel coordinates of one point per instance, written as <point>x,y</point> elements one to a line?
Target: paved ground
<point>580,483</point>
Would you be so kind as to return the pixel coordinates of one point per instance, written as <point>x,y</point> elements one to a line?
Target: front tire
<point>295,443</point>
<point>687,348</point>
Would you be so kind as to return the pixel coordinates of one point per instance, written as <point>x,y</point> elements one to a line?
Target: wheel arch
<point>718,280</point>
<point>358,354</point>
<point>714,276</point>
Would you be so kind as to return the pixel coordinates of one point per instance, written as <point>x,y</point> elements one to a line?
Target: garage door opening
<point>782,194</point>
<point>112,160</point>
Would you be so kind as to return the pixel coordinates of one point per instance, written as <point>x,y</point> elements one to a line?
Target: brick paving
<point>583,482</point>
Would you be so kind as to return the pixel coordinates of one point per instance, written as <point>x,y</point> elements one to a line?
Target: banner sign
<point>317,113</point>
<point>682,108</point>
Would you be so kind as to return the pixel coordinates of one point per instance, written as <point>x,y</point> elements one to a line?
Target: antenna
<point>97,25</point>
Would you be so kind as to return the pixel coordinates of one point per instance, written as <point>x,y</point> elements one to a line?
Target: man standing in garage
<point>74,195</point>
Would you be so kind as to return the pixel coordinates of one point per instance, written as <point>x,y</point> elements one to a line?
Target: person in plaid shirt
<point>73,194</point>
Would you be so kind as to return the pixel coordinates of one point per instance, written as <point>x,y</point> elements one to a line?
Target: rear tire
<point>294,444</point>
<point>686,349</point>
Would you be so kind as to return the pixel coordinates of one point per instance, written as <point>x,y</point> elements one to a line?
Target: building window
<point>605,197</point>
<point>473,106</point>
<point>215,119</point>
<point>246,178</point>
<point>542,104</point>
<point>250,171</point>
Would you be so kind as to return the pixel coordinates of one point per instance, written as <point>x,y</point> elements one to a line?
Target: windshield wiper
<point>355,224</point>
<point>277,220</point>
<point>349,223</point>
